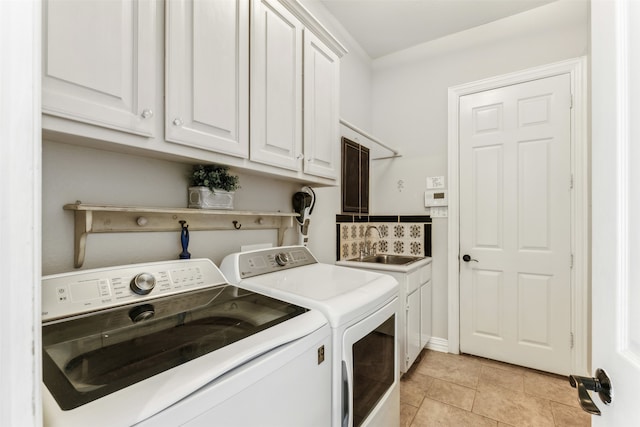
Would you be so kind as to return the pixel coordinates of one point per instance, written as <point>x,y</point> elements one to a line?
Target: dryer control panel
<point>265,261</point>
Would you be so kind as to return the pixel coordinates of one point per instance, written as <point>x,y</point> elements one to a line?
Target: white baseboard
<point>438,344</point>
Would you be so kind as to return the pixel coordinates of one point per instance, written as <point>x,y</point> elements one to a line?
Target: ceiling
<point>382,27</point>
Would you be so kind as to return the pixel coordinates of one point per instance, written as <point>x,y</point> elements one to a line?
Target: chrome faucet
<point>369,250</point>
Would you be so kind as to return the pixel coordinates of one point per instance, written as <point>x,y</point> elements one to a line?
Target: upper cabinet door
<point>321,96</point>
<point>276,86</point>
<point>207,74</point>
<point>99,62</point>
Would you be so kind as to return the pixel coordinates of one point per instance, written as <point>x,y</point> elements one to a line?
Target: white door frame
<point>580,221</point>
<point>20,213</point>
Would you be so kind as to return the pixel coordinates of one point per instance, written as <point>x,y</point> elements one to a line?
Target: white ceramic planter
<point>204,198</point>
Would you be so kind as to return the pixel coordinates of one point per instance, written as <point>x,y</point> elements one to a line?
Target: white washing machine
<point>362,309</point>
<point>172,344</point>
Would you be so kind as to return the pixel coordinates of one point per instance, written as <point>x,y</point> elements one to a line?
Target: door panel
<point>207,82</point>
<point>533,309</point>
<point>99,62</point>
<point>515,221</point>
<point>321,109</point>
<point>276,86</point>
<point>533,194</point>
<point>488,197</point>
<point>487,292</point>
<point>616,206</point>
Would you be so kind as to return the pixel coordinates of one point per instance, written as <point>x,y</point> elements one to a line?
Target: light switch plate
<point>439,212</point>
<point>435,182</point>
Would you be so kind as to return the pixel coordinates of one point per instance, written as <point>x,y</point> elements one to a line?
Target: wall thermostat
<point>435,198</point>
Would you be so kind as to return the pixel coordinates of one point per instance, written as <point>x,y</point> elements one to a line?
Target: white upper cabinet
<point>207,75</point>
<point>99,62</point>
<point>236,74</point>
<point>276,86</point>
<point>321,108</point>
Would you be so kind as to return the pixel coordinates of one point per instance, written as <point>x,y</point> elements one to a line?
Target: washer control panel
<point>77,292</point>
<point>265,261</point>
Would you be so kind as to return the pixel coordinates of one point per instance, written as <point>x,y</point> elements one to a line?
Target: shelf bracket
<point>83,220</point>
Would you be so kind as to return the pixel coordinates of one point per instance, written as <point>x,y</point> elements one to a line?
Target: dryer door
<point>370,369</point>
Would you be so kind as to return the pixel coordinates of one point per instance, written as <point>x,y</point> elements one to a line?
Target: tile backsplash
<point>396,234</point>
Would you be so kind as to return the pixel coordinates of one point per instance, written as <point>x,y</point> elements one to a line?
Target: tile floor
<point>460,390</point>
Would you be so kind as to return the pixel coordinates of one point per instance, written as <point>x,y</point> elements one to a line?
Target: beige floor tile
<point>453,394</point>
<point>413,388</point>
<point>551,387</point>
<point>433,413</point>
<point>511,380</point>
<point>421,380</point>
<point>407,413</point>
<point>457,369</point>
<point>503,365</point>
<point>504,425</point>
<point>512,407</point>
<point>568,416</point>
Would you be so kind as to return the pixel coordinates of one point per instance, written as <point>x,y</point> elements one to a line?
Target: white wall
<point>410,106</point>
<point>93,176</point>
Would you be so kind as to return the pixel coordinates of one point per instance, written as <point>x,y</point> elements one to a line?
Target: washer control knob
<point>282,258</point>
<point>143,283</point>
<point>141,312</point>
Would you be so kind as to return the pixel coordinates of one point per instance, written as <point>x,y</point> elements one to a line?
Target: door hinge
<point>571,182</point>
<point>571,101</point>
<point>571,340</point>
<point>571,261</point>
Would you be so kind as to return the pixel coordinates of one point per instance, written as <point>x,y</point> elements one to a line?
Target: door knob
<point>467,258</point>
<point>601,384</point>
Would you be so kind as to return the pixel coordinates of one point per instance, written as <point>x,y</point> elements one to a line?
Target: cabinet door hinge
<point>571,182</point>
<point>570,101</point>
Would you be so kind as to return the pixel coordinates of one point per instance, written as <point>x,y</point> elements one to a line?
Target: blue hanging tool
<point>184,239</point>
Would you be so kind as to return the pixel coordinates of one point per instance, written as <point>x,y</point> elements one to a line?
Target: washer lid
<point>342,294</point>
<point>91,356</point>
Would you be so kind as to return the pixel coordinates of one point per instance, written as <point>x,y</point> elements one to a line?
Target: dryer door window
<point>373,368</point>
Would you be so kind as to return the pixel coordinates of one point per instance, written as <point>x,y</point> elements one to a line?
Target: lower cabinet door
<point>425,314</point>
<point>412,328</point>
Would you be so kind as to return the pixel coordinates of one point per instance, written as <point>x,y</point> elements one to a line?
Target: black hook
<point>236,225</point>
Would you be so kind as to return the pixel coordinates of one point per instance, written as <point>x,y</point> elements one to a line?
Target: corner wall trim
<point>438,344</point>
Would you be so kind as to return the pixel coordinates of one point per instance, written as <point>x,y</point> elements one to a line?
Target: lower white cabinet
<point>415,291</point>
<point>413,331</point>
<point>425,313</point>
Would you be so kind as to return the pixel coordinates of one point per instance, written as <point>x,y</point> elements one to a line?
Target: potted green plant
<point>212,187</point>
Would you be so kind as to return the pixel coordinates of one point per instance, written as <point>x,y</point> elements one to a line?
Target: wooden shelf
<point>121,219</point>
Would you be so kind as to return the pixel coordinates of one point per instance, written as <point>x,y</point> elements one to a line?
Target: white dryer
<point>362,309</point>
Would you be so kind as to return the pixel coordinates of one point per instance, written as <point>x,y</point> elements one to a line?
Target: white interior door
<point>515,218</point>
<point>616,206</point>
